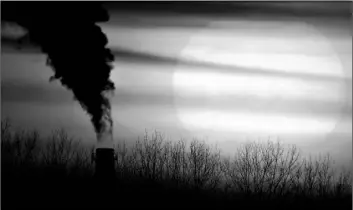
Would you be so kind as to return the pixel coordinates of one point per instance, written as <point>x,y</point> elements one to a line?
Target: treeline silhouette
<point>57,172</point>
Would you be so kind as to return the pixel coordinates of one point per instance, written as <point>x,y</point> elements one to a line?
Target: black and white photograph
<point>176,105</point>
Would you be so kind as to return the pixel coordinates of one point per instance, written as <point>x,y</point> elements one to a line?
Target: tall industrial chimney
<point>104,164</point>
<point>104,177</point>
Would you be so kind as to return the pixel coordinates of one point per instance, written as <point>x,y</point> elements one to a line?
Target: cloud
<point>12,30</point>
<point>24,92</point>
<point>141,57</point>
<point>335,9</point>
<point>50,94</point>
<point>122,54</point>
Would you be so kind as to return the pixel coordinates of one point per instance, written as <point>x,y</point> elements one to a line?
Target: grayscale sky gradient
<point>221,76</point>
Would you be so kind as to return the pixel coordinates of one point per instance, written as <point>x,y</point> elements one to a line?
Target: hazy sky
<point>225,78</point>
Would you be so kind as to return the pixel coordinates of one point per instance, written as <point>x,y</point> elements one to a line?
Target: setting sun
<point>297,58</point>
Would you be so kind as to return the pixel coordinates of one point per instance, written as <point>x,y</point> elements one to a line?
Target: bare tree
<point>203,165</point>
<point>259,168</point>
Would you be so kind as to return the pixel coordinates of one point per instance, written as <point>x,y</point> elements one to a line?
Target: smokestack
<point>104,177</point>
<point>105,164</point>
<point>76,48</point>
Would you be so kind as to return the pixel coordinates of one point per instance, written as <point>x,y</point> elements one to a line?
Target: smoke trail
<point>76,49</point>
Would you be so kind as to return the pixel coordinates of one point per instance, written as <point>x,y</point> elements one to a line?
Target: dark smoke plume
<point>76,49</point>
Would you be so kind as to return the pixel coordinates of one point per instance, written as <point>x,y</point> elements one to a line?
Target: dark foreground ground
<point>38,189</point>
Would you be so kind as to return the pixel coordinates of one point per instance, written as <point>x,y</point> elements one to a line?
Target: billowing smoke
<point>76,50</point>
